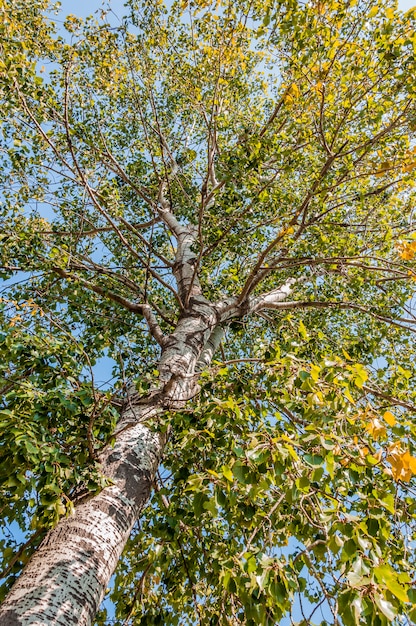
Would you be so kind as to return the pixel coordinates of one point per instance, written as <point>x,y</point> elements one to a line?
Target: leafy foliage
<point>284,133</point>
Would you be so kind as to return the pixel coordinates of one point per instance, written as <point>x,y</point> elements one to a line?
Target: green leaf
<point>314,459</point>
<point>227,473</point>
<point>385,607</point>
<point>241,472</point>
<point>385,575</point>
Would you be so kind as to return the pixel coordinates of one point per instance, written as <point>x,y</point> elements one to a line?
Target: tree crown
<point>270,147</point>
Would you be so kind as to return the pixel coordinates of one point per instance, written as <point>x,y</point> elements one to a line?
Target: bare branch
<point>253,278</point>
<point>392,400</point>
<point>98,230</point>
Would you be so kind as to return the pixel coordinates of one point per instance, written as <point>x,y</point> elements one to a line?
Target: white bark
<point>272,298</point>
<point>210,348</point>
<point>66,579</point>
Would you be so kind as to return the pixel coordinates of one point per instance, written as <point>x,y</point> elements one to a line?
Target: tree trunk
<point>65,580</point>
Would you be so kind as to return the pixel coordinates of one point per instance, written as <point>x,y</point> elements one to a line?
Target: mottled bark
<point>66,578</point>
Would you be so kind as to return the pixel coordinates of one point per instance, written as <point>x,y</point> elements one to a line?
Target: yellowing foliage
<point>407,250</point>
<point>389,418</point>
<point>403,464</point>
<point>375,428</point>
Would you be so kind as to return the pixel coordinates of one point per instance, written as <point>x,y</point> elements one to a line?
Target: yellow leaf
<point>403,464</point>
<point>348,395</point>
<point>315,370</point>
<point>378,455</point>
<point>409,167</point>
<point>389,418</point>
<point>363,451</point>
<point>227,473</point>
<point>294,90</point>
<point>409,462</point>
<point>394,448</point>
<point>292,452</point>
<point>376,428</point>
<point>302,330</point>
<point>347,356</point>
<point>396,466</point>
<point>412,464</point>
<point>407,250</point>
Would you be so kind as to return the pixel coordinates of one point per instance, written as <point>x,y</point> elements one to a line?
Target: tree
<point>219,198</point>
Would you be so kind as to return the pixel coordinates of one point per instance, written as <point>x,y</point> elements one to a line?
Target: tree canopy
<point>273,144</point>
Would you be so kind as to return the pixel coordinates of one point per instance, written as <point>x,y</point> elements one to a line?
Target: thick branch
<point>166,214</point>
<point>185,258</point>
<point>272,299</point>
<point>210,348</point>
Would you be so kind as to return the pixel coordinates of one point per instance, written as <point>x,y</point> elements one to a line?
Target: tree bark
<point>65,580</point>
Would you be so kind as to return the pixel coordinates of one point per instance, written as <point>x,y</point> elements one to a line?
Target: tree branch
<point>144,309</point>
<point>210,348</point>
<point>272,299</point>
<point>300,304</point>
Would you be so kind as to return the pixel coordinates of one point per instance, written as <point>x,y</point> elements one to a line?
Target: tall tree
<point>217,199</point>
